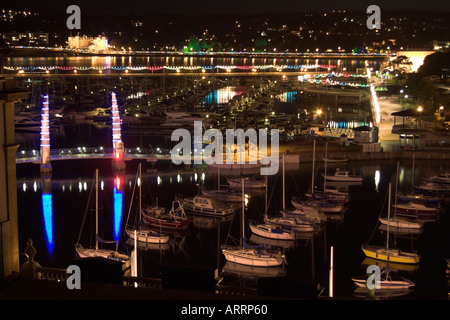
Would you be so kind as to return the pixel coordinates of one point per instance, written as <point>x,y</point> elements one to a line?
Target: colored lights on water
<point>47,215</point>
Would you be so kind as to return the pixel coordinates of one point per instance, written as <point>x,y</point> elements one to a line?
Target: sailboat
<point>325,194</point>
<point>387,281</point>
<point>400,222</point>
<point>96,252</point>
<point>226,195</point>
<point>138,233</point>
<point>250,255</point>
<point>288,222</point>
<point>390,254</point>
<point>159,217</point>
<point>250,183</point>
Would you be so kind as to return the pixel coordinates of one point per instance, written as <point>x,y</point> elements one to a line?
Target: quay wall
<point>366,156</point>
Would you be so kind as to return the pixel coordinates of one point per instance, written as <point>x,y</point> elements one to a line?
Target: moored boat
<point>386,281</point>
<point>250,183</point>
<point>343,175</point>
<point>203,205</point>
<point>157,216</point>
<point>401,223</point>
<point>272,231</point>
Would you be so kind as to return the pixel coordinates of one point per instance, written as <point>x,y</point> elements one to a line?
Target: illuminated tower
<point>118,160</point>
<point>45,137</point>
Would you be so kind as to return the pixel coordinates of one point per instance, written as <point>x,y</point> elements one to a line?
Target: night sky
<point>232,6</point>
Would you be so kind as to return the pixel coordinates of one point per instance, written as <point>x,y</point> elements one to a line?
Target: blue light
<point>47,214</point>
<point>118,200</point>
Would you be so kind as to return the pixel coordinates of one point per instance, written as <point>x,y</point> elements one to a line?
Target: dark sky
<point>234,6</point>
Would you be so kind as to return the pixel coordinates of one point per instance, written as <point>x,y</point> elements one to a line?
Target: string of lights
<point>156,68</point>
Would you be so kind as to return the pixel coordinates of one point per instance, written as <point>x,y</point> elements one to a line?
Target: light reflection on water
<point>64,205</point>
<point>347,65</point>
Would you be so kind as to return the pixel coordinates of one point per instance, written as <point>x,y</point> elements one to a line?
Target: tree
<point>401,64</point>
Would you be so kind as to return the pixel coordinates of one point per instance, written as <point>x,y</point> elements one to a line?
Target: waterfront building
<point>26,38</point>
<point>9,259</point>
<point>99,43</point>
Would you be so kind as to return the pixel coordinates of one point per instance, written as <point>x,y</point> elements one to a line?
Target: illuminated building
<point>99,43</point>
<point>26,38</point>
<point>9,259</point>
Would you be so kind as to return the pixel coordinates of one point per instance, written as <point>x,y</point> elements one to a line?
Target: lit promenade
<point>33,156</point>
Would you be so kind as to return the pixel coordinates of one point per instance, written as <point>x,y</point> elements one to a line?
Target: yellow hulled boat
<point>390,255</point>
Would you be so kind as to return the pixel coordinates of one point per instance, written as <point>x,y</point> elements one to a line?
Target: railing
<point>91,152</point>
<point>52,274</point>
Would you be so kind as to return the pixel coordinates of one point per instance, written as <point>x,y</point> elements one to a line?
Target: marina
<point>273,158</point>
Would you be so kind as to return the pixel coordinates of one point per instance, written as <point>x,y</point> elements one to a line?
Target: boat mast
<point>284,187</point>
<point>313,163</point>
<point>325,173</point>
<point>243,210</point>
<point>389,217</point>
<point>265,208</point>
<point>96,208</point>
<point>140,193</point>
<point>396,189</point>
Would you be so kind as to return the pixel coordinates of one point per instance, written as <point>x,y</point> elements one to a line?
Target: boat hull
<point>147,236</point>
<point>250,257</point>
<point>166,223</point>
<point>272,233</point>
<point>391,255</point>
<point>400,223</point>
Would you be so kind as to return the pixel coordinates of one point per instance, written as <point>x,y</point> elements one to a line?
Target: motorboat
<point>250,183</point>
<point>343,175</point>
<point>203,205</point>
<point>273,231</point>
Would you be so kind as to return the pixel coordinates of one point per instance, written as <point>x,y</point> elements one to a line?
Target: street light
<point>420,109</point>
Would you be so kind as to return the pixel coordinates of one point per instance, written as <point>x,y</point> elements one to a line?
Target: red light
<point>117,155</point>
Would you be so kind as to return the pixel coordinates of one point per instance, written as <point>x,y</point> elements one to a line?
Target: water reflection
<point>222,96</point>
<point>47,214</point>
<point>348,65</point>
<point>118,206</point>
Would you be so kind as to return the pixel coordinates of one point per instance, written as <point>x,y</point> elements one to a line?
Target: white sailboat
<point>400,222</point>
<point>226,195</point>
<point>387,281</point>
<point>248,255</point>
<point>96,252</point>
<point>290,223</point>
<point>140,234</point>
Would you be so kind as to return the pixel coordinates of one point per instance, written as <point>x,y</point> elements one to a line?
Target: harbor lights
<point>118,162</point>
<point>45,137</point>
<point>420,109</point>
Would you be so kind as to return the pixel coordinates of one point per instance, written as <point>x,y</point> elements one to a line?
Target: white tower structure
<point>45,137</point>
<point>118,160</point>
